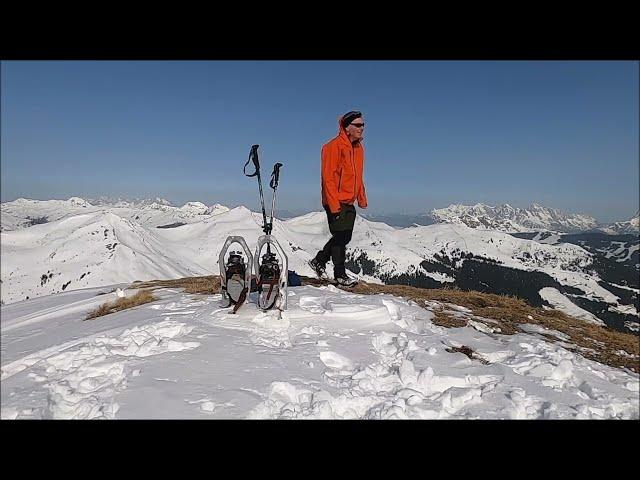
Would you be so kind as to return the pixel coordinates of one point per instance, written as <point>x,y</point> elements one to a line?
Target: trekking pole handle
<point>275,176</point>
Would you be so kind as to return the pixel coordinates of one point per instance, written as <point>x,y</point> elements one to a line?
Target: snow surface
<point>617,253</point>
<point>562,303</point>
<point>331,354</point>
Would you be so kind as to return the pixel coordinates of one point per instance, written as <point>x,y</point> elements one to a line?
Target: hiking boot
<point>318,268</point>
<point>345,281</point>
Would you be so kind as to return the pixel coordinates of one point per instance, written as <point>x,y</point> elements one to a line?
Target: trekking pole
<point>253,156</point>
<point>275,177</point>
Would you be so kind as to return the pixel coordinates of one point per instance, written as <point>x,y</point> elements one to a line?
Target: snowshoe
<point>272,275</point>
<point>235,276</point>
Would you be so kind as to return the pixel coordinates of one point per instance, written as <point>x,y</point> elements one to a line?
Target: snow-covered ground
<point>331,354</point>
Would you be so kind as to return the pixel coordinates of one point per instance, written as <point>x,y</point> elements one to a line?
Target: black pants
<point>341,230</point>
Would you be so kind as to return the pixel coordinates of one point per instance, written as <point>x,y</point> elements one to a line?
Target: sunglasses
<point>357,125</point>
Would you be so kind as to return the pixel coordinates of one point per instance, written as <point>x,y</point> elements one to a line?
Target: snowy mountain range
<point>85,246</point>
<point>509,219</point>
<point>123,202</point>
<point>158,212</point>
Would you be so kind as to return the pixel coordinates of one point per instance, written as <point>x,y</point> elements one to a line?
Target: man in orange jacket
<point>342,185</point>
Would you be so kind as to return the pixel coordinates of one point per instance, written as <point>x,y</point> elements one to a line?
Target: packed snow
<point>332,354</point>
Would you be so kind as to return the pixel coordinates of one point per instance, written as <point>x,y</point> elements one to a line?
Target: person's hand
<point>335,216</point>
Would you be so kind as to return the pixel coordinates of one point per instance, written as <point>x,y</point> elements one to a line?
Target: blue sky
<point>560,133</point>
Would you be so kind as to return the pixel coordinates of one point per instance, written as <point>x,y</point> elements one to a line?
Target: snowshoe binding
<point>269,283</point>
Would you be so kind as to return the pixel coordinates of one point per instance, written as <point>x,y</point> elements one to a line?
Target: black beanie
<point>349,117</point>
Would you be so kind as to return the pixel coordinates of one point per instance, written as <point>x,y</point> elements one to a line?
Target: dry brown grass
<point>207,284</point>
<point>143,296</point>
<point>446,320</point>
<point>469,352</point>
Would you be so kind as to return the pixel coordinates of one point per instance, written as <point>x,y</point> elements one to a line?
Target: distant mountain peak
<point>216,208</point>
<point>79,202</point>
<point>197,208</point>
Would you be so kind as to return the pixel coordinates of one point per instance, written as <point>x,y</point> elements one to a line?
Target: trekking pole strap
<point>253,155</point>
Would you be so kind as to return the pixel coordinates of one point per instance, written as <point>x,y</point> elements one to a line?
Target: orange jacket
<point>342,167</point>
